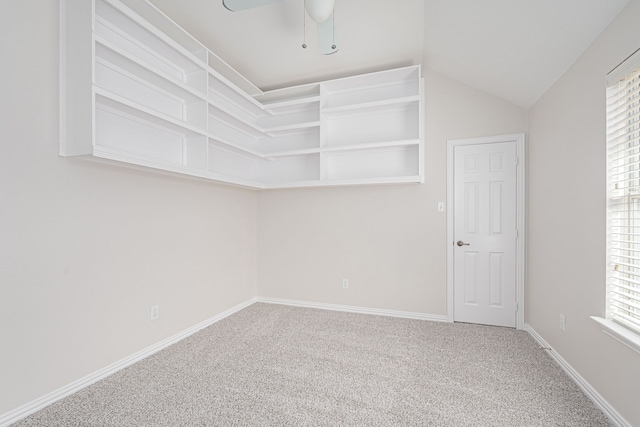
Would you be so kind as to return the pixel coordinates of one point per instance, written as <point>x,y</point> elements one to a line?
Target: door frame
<point>519,140</point>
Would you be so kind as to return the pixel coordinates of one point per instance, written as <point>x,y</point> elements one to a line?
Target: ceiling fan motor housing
<point>319,10</point>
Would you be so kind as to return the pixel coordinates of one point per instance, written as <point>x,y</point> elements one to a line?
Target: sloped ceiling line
<point>512,49</point>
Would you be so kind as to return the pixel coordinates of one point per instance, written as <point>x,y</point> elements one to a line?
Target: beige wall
<point>389,241</point>
<point>566,218</point>
<point>85,248</point>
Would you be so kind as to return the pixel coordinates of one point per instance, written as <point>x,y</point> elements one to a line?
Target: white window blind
<point>623,172</point>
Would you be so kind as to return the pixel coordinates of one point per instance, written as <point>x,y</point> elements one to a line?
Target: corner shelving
<point>107,52</point>
<point>118,74</point>
<point>137,89</point>
<point>170,32</point>
<point>384,161</point>
<point>120,25</point>
<point>289,143</point>
<point>127,127</point>
<point>372,106</point>
<point>143,113</point>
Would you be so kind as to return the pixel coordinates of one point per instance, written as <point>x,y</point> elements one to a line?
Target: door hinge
<point>517,160</point>
<point>517,307</point>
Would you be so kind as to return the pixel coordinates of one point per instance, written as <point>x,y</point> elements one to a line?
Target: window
<point>623,194</point>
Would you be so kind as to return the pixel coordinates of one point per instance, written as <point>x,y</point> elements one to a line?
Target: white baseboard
<point>587,388</point>
<point>354,309</point>
<point>46,400</point>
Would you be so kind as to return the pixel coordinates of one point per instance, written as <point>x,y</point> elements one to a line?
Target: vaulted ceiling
<point>513,49</point>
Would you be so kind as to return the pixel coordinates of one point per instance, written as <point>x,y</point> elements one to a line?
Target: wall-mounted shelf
<point>111,52</point>
<point>372,106</point>
<point>137,89</point>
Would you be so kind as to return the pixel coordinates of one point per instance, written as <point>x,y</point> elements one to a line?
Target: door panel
<point>496,292</point>
<point>470,279</point>
<point>471,197</point>
<point>485,224</point>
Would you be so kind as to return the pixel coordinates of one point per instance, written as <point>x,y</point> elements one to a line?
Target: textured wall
<point>86,248</point>
<point>566,218</point>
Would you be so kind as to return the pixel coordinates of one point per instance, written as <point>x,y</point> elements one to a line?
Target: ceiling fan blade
<point>236,5</point>
<point>327,40</point>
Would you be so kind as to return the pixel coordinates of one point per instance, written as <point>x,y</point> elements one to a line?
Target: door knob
<point>461,243</point>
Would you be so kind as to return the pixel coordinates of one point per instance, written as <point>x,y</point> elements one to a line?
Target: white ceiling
<point>513,49</point>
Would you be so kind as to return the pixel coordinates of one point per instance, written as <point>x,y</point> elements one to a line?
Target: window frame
<point>613,326</point>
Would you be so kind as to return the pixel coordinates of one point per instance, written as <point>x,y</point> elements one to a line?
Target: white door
<point>484,231</point>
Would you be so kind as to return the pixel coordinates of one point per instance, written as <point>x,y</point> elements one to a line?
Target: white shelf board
<point>213,139</point>
<point>134,78</point>
<point>255,130</point>
<point>289,93</point>
<point>143,23</point>
<point>165,24</point>
<point>416,179</point>
<point>223,98</point>
<point>213,74</point>
<point>370,146</point>
<point>161,76</point>
<point>372,80</point>
<point>351,148</point>
<point>289,153</point>
<point>134,109</point>
<point>239,123</point>
<point>123,158</point>
<point>368,107</point>
<point>273,107</point>
<point>273,131</point>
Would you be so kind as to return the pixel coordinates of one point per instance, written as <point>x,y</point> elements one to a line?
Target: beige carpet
<point>272,365</point>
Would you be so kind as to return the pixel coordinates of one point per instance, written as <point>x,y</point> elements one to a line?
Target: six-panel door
<point>485,234</point>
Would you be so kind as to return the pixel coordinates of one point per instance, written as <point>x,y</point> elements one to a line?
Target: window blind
<point>623,214</point>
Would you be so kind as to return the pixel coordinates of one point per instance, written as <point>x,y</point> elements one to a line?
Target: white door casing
<point>486,214</point>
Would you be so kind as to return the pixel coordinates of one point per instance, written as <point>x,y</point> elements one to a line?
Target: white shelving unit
<point>138,89</point>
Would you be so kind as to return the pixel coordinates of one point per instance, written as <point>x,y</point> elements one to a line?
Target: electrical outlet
<point>155,312</point>
<point>563,322</point>
<point>345,284</point>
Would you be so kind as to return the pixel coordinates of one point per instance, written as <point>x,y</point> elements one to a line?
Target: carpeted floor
<point>273,365</point>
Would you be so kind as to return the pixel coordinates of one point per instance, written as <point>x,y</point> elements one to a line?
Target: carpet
<point>276,365</point>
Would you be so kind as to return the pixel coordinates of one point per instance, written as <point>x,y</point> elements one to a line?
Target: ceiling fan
<point>321,11</point>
